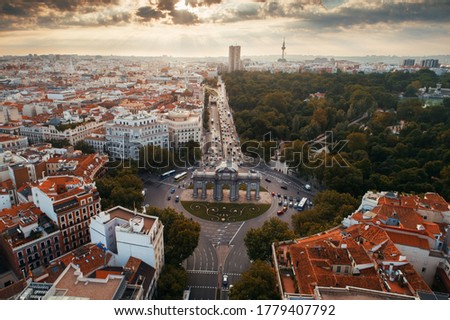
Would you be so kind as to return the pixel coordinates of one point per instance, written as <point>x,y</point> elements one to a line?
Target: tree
<point>171,283</point>
<point>84,147</point>
<point>330,207</point>
<point>181,235</point>
<point>59,143</point>
<point>120,187</point>
<point>259,240</point>
<point>357,141</point>
<point>257,283</point>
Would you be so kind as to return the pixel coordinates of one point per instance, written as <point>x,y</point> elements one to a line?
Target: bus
<point>301,205</point>
<point>180,176</point>
<point>167,174</point>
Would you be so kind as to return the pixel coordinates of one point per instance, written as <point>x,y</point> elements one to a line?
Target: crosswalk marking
<point>202,271</point>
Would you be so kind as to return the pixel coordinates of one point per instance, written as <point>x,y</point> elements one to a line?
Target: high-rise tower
<point>234,58</point>
<point>283,47</point>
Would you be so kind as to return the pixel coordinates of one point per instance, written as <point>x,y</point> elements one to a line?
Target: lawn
<point>226,212</point>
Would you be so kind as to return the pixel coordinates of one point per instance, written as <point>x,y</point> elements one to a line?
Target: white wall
<point>136,245</point>
<point>5,201</point>
<point>42,201</point>
<point>420,259</point>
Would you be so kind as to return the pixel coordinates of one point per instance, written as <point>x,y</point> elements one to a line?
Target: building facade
<point>130,132</point>
<point>129,234</point>
<point>234,58</point>
<point>70,203</point>
<point>41,133</point>
<point>29,239</point>
<point>183,127</point>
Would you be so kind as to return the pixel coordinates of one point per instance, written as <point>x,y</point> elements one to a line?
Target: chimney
<point>391,272</point>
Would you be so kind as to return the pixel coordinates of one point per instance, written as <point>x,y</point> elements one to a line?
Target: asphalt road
<point>221,249</point>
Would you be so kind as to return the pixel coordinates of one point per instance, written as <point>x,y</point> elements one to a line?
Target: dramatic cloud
<point>149,13</point>
<point>365,25</point>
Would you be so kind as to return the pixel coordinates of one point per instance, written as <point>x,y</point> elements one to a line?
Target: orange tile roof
<point>436,202</point>
<point>51,184</point>
<point>408,240</point>
<point>432,228</point>
<point>314,257</point>
<point>408,217</point>
<point>88,258</point>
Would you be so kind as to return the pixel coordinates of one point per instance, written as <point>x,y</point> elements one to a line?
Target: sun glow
<point>181,5</point>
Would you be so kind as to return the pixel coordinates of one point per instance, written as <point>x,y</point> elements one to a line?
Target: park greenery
<point>181,237</point>
<point>180,234</point>
<point>120,187</point>
<point>259,240</point>
<point>257,283</point>
<point>415,158</point>
<point>171,283</point>
<point>330,207</point>
<point>224,211</point>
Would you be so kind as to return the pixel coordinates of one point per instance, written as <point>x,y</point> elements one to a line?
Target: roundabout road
<point>221,249</point>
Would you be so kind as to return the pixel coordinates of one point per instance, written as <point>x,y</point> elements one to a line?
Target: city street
<point>221,249</point>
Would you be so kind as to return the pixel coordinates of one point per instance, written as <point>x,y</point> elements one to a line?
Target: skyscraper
<point>234,58</point>
<point>409,62</point>
<point>430,63</point>
<point>283,47</point>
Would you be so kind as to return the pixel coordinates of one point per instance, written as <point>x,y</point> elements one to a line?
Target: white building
<point>62,95</point>
<point>183,126</point>
<point>40,133</point>
<point>130,132</point>
<point>129,234</point>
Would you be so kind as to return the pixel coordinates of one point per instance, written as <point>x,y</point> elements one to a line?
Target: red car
<point>280,212</point>
<point>273,194</point>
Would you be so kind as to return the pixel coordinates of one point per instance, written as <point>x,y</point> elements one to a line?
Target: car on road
<point>172,191</point>
<point>268,180</point>
<point>177,198</point>
<point>285,208</point>
<point>291,204</point>
<point>307,187</point>
<point>280,202</point>
<point>280,212</point>
<point>279,195</point>
<point>168,198</point>
<point>284,187</point>
<point>224,280</point>
<point>273,194</point>
<point>252,170</point>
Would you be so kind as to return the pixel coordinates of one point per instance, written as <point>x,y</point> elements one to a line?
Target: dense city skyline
<point>208,27</point>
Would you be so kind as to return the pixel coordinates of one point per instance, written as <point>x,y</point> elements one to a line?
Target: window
<point>338,269</point>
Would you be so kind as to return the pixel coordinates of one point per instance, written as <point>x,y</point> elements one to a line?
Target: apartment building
<point>29,239</point>
<point>69,202</point>
<point>129,234</point>
<point>130,132</point>
<point>183,126</point>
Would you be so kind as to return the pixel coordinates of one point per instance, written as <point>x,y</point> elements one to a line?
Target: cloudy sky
<point>208,27</point>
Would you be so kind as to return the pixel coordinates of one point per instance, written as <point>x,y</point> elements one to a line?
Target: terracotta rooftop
<point>409,240</point>
<point>88,258</point>
<point>316,260</point>
<point>408,217</point>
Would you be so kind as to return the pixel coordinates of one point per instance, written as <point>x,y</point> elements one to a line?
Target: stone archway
<point>226,174</point>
